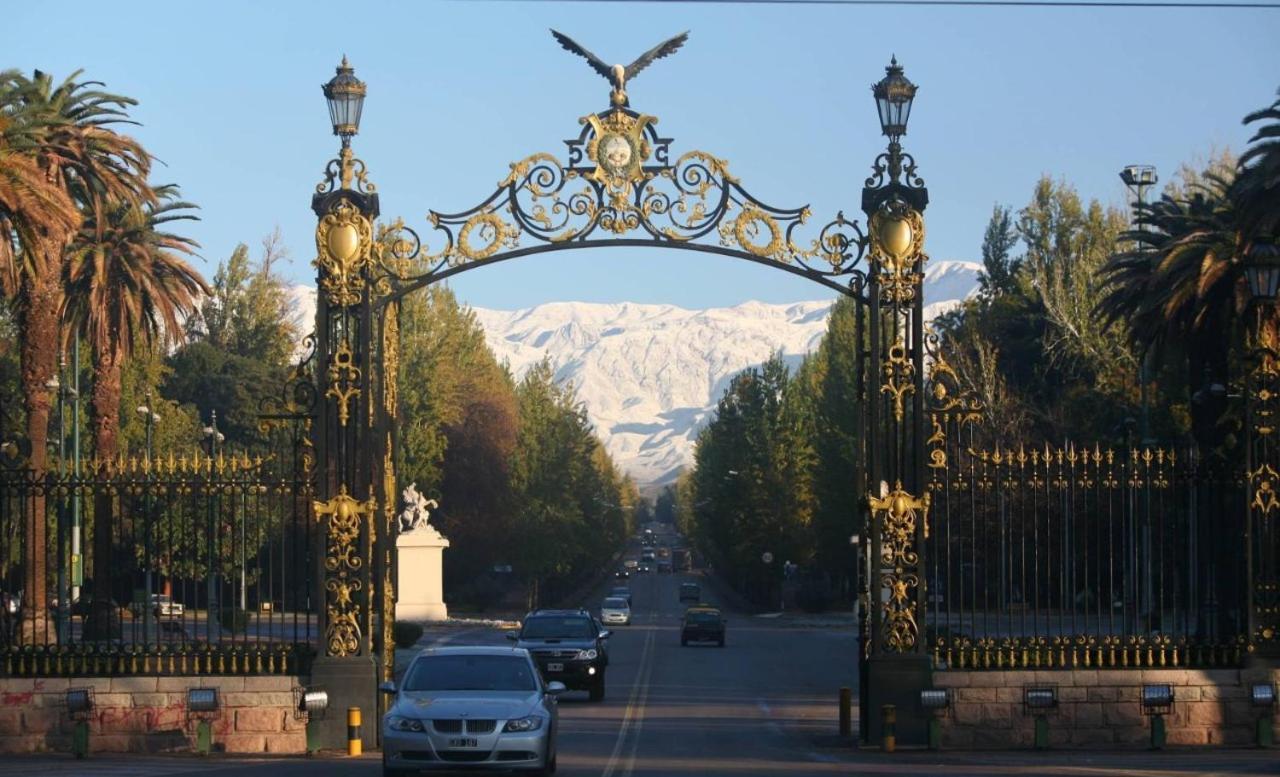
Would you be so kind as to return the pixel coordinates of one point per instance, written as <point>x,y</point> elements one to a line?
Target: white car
<point>615,610</point>
<point>471,708</point>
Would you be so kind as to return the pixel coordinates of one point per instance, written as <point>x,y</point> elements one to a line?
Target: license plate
<point>555,667</point>
<point>464,742</point>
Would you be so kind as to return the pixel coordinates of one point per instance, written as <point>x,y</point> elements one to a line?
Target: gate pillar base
<point>898,680</point>
<point>350,682</point>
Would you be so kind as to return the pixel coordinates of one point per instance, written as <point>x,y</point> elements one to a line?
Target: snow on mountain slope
<point>650,375</point>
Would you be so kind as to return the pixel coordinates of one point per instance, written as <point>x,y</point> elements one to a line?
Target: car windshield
<point>470,673</point>
<point>623,592</point>
<point>615,604</point>
<point>703,617</point>
<point>552,628</point>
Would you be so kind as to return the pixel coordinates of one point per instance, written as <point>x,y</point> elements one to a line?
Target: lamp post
<point>58,384</point>
<point>1262,463</point>
<point>1137,179</point>
<point>894,95</point>
<point>150,417</point>
<point>213,440</point>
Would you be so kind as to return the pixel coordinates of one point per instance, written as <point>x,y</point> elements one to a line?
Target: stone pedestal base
<point>419,571</point>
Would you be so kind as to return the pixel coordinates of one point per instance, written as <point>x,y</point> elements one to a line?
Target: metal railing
<point>1082,557</point>
<point>208,567</point>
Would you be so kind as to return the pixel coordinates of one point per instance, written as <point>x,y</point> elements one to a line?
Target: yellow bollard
<point>889,719</point>
<point>846,712</point>
<point>354,745</point>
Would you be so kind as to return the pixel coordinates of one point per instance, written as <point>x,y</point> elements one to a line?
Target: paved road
<point>764,705</point>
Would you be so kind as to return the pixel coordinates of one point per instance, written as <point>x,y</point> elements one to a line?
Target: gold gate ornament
<point>343,566</point>
<point>898,553</point>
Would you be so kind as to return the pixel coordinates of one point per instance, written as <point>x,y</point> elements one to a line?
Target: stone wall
<point>1101,708</point>
<point>148,714</point>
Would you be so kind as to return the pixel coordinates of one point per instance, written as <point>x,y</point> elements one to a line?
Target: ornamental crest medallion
<point>619,149</point>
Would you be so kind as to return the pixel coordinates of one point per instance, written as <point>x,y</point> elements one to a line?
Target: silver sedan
<point>471,708</point>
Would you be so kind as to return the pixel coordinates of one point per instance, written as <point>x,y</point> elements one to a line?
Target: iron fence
<point>1075,557</point>
<point>208,566</point>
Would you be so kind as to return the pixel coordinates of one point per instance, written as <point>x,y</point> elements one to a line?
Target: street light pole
<point>1262,454</point>
<point>150,416</point>
<point>1139,178</point>
<point>213,437</point>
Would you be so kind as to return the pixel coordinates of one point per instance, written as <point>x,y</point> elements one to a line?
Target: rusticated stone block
<point>1086,716</point>
<point>957,736</point>
<point>952,679</point>
<point>1174,677</point>
<point>1188,693</point>
<point>110,743</point>
<point>105,700</point>
<point>1019,678</point>
<point>150,699</point>
<point>1009,695</point>
<point>1232,736</point>
<point>976,694</point>
<point>134,684</point>
<point>243,743</point>
<point>1188,736</point>
<point>1117,677</point>
<point>259,719</point>
<point>287,743</point>
<point>10,722</point>
<point>990,738</point>
<point>997,716</point>
<point>258,699</point>
<point>1205,713</point>
<point>272,683</point>
<point>58,685</point>
<point>1220,692</point>
<point>1121,714</point>
<point>181,684</point>
<point>1104,695</point>
<point>1133,694</point>
<point>36,721</point>
<point>120,720</point>
<point>294,723</point>
<point>1072,693</point>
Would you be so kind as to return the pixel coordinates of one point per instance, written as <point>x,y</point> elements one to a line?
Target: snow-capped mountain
<point>650,375</point>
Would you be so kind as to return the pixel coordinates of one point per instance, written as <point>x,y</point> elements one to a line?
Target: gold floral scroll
<point>897,514</point>
<point>343,569</point>
<point>343,240</point>
<point>343,380</point>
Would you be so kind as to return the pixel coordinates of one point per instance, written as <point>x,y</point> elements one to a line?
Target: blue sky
<point>230,102</point>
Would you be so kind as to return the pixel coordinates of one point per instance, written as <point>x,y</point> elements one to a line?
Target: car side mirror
<point>555,688</point>
<point>606,634</point>
<point>514,636</point>
<point>387,687</point>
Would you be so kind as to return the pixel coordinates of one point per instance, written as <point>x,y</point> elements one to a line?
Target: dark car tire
<point>597,690</point>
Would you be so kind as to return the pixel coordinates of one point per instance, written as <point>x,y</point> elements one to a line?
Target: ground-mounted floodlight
<point>936,702</point>
<point>1157,701</point>
<point>1038,701</point>
<point>202,706</point>
<point>79,708</point>
<point>1262,697</point>
<point>311,705</point>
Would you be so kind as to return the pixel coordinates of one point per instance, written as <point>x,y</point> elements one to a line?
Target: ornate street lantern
<point>894,94</point>
<point>1262,269</point>
<point>345,94</point>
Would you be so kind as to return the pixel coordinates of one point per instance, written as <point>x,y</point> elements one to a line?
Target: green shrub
<point>405,634</point>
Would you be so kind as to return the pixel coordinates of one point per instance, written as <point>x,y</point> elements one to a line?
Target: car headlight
<point>397,723</point>
<point>531,723</point>
<point>588,654</point>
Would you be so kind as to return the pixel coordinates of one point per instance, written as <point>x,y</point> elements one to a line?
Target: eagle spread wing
<point>596,63</point>
<point>657,52</point>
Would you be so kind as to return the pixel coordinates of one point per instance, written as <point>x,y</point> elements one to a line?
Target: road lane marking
<point>633,714</point>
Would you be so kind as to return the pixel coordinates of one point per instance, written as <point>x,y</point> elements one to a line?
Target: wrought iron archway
<point>622,186</point>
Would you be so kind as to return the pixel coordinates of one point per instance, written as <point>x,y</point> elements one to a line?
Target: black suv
<point>568,646</point>
<point>702,624</point>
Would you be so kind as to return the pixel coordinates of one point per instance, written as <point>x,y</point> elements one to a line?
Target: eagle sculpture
<point>618,75</point>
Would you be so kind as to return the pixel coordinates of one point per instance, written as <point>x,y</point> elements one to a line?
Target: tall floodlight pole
<point>896,667</point>
<point>1138,179</point>
<point>1262,463</point>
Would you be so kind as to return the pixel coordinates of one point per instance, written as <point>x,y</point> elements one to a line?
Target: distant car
<point>622,592</point>
<point>644,567</point>
<point>161,605</point>
<point>646,555</point>
<point>568,646</point>
<point>630,564</point>
<point>664,566</point>
<point>478,707</point>
<point>702,624</point>
<point>615,610</point>
<point>621,574</point>
<point>690,592</point>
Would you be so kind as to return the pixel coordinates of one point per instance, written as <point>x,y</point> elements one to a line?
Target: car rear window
<point>547,627</point>
<point>615,604</point>
<point>470,673</point>
<point>703,618</point>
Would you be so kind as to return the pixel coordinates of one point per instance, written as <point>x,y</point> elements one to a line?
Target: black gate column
<point>349,487</point>
<point>896,666</point>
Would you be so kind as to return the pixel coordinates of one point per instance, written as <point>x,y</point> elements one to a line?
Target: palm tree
<point>1257,190</point>
<point>126,284</point>
<point>66,131</point>
<point>1181,289</point>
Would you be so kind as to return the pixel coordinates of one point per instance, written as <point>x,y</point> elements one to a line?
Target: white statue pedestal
<point>420,566</point>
